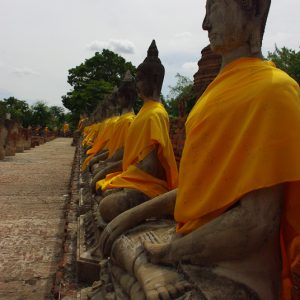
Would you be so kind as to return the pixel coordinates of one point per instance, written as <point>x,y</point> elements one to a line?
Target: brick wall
<point>177,135</point>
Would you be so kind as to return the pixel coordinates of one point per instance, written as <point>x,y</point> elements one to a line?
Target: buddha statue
<point>125,98</point>
<point>12,136</point>
<point>3,136</point>
<point>148,167</point>
<point>106,115</point>
<point>235,208</point>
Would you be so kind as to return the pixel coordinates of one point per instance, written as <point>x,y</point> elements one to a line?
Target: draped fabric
<point>90,133</point>
<point>242,135</point>
<point>120,131</point>
<point>150,128</point>
<point>104,134</point>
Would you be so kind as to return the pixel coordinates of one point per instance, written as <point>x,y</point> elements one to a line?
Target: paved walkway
<point>32,189</point>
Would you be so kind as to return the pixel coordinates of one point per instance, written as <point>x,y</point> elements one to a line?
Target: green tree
<point>18,109</point>
<point>58,116</point>
<point>3,109</point>
<point>41,114</point>
<point>92,80</point>
<point>287,60</point>
<point>180,92</point>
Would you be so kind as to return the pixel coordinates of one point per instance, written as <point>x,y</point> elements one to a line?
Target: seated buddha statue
<point>148,167</point>
<point>126,97</point>
<point>236,229</point>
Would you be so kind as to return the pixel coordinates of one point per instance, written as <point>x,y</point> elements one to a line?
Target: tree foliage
<point>287,60</point>
<point>34,115</point>
<point>180,92</point>
<point>18,109</point>
<point>92,80</point>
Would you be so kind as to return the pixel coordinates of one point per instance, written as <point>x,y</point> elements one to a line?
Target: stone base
<point>35,141</point>
<point>10,151</point>
<point>20,149</point>
<point>87,266</point>
<point>87,294</point>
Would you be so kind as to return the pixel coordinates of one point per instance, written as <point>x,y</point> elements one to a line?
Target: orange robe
<point>120,131</point>
<point>81,122</point>
<point>105,133</point>
<point>66,127</point>
<point>243,135</point>
<point>149,128</point>
<point>89,134</point>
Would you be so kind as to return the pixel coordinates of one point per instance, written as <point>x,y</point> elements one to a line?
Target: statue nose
<point>206,24</point>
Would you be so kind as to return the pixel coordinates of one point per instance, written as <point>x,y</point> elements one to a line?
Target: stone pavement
<point>33,189</point>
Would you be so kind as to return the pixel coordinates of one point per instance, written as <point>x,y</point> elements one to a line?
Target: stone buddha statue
<point>105,110</point>
<point>125,99</point>
<point>150,160</point>
<point>3,136</point>
<point>235,206</point>
<point>12,127</point>
<point>148,167</point>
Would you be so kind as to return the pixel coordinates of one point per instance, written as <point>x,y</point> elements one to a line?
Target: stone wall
<point>177,135</point>
<point>209,67</point>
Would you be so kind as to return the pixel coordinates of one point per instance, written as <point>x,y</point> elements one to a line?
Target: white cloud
<point>183,35</point>
<point>97,46</point>
<point>21,72</point>
<point>190,67</point>
<point>119,46</point>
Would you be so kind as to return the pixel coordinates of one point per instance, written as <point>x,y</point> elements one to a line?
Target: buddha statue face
<point>232,24</point>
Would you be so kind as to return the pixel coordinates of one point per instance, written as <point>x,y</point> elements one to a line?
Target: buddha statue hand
<point>114,229</point>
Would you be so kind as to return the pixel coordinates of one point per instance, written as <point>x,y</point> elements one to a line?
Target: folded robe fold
<point>105,133</point>
<point>120,131</point>
<point>242,135</point>
<point>149,128</point>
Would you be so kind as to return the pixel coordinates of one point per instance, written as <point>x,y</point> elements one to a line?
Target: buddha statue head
<point>112,103</point>
<point>236,24</point>
<point>127,91</point>
<point>150,75</point>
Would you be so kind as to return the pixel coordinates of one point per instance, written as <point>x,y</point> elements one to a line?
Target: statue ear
<point>255,39</point>
<point>259,23</point>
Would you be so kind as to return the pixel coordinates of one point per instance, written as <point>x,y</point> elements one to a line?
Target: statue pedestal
<point>87,266</point>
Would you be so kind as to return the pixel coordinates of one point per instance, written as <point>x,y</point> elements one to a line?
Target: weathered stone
<point>32,211</point>
<point>209,67</point>
<point>3,136</point>
<point>12,137</point>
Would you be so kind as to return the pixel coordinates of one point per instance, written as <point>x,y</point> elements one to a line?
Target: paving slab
<point>33,190</point>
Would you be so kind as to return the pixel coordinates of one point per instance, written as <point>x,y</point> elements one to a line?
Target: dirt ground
<point>33,189</point>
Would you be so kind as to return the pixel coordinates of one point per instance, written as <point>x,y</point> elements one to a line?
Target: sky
<point>40,40</point>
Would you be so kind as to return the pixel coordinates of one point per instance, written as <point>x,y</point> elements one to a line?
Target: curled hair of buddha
<point>127,88</point>
<point>153,70</point>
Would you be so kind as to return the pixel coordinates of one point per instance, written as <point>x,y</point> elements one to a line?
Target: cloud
<point>22,72</point>
<point>190,67</point>
<point>183,35</point>
<point>119,46</point>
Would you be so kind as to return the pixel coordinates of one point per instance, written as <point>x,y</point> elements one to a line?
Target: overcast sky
<point>40,40</point>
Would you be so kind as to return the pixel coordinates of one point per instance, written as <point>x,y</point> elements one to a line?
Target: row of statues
<point>15,139</point>
<point>226,225</point>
